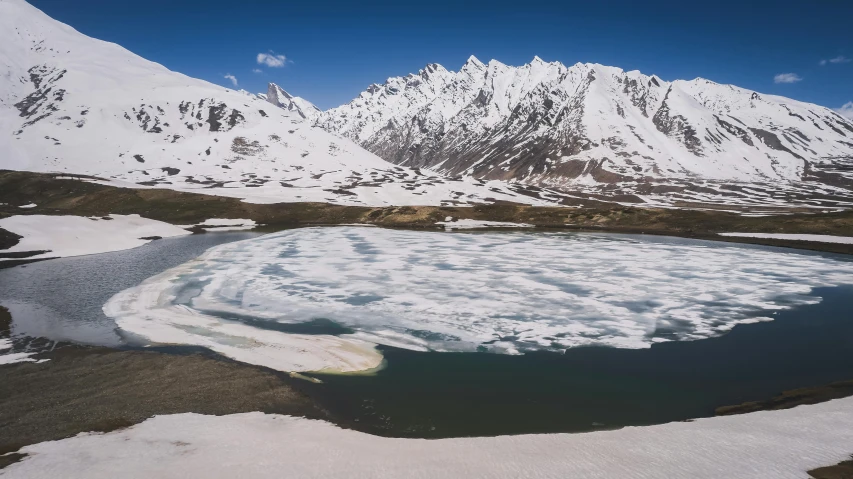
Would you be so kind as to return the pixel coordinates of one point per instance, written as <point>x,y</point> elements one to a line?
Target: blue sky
<point>334,49</point>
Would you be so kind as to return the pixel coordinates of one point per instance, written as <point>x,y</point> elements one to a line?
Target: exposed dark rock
<point>772,141</point>
<point>735,130</point>
<point>214,115</point>
<point>8,239</point>
<point>676,126</point>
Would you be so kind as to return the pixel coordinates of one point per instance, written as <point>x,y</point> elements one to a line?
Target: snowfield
<point>762,445</point>
<point>61,236</point>
<point>499,292</point>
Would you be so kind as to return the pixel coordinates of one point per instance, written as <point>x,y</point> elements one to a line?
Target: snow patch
<point>224,224</point>
<point>466,224</point>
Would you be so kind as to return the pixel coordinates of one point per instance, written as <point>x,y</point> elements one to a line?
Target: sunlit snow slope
<point>70,103</point>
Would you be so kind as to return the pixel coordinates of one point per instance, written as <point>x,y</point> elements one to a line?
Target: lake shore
<point>55,194</point>
<point>83,389</point>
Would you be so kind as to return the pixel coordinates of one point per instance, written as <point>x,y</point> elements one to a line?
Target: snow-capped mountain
<point>588,124</point>
<point>280,98</point>
<point>71,103</point>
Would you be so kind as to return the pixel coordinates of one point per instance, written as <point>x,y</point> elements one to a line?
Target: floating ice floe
<point>770,444</point>
<point>501,292</point>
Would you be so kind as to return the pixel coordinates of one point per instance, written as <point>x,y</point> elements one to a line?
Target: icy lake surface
<point>501,292</point>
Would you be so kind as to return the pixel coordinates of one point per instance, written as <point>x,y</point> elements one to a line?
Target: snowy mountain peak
<point>474,61</point>
<point>280,98</point>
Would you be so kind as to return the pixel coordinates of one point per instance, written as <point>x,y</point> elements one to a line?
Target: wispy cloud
<point>232,78</point>
<point>257,70</point>
<point>787,78</point>
<point>271,59</point>
<point>846,110</point>
<point>838,59</point>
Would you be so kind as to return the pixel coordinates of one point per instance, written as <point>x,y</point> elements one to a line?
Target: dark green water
<point>467,394</point>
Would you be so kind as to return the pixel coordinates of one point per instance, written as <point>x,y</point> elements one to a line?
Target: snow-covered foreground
<point>795,237</point>
<point>502,292</point>
<point>763,445</point>
<point>79,235</point>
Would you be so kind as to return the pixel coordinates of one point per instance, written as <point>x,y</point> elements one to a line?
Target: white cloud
<point>838,59</point>
<point>257,70</point>
<point>787,78</point>
<point>271,59</point>
<point>232,78</point>
<point>846,110</point>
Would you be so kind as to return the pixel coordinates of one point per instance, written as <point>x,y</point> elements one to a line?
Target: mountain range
<point>542,133</point>
<point>594,127</point>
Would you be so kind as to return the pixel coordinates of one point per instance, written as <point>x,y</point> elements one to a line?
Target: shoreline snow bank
<point>778,444</point>
<point>62,236</point>
<point>465,224</point>
<point>795,237</point>
<point>224,224</point>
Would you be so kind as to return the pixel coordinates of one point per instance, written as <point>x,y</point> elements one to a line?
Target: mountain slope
<point>592,126</point>
<point>72,103</point>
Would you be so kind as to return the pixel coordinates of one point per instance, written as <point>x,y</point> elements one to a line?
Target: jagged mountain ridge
<point>550,124</point>
<point>71,103</point>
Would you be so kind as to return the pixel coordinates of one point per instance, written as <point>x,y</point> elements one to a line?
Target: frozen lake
<point>586,331</point>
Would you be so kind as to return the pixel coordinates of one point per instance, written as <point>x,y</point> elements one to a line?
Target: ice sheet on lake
<point>763,445</point>
<point>503,292</point>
